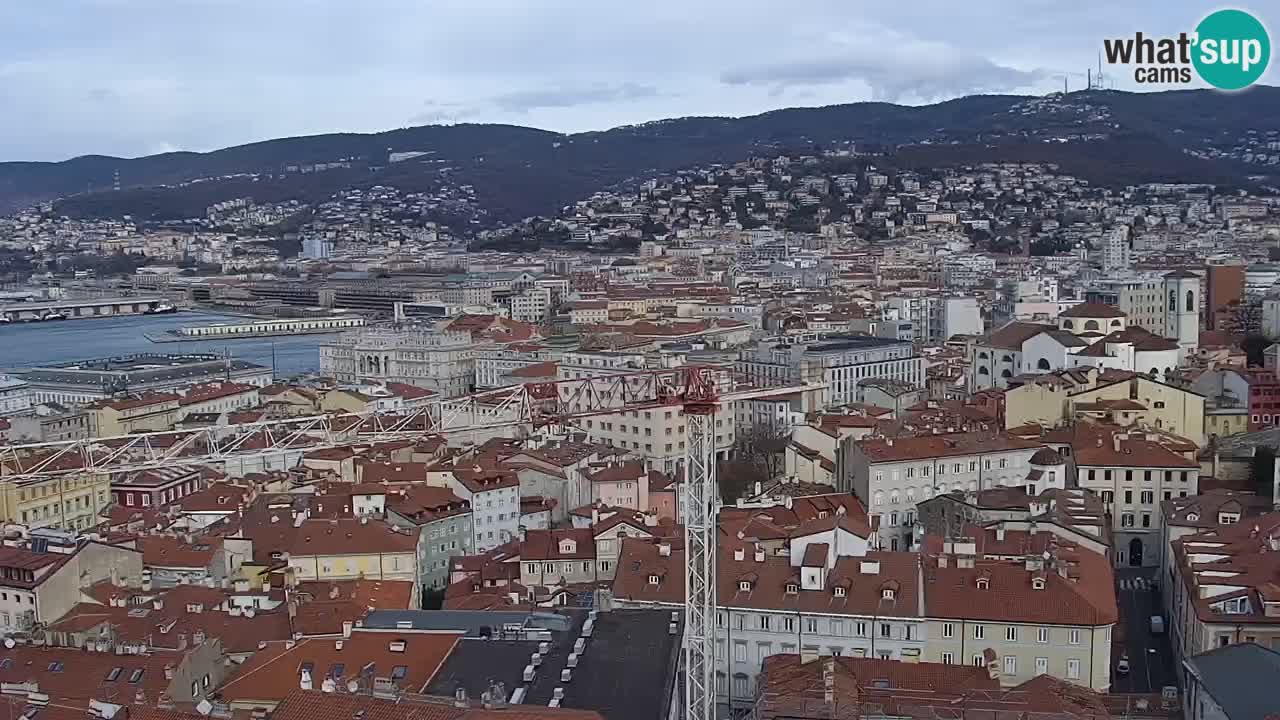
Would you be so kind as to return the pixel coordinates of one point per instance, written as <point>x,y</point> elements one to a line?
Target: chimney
<point>168,672</point>
<point>595,516</point>
<point>664,549</point>
<point>759,555</point>
<point>1000,533</point>
<point>1115,441</point>
<point>347,626</point>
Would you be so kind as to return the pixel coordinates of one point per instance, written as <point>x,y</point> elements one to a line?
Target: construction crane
<point>699,390</point>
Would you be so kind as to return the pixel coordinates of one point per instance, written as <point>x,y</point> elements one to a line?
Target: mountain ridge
<point>519,171</point>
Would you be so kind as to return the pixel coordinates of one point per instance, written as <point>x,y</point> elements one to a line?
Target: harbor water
<point>25,345</point>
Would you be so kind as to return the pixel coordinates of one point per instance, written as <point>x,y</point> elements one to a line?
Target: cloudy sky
<point>134,77</point>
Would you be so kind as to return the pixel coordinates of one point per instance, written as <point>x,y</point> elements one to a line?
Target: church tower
<point>1182,310</point>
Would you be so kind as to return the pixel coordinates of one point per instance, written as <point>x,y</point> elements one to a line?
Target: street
<point>1150,656</point>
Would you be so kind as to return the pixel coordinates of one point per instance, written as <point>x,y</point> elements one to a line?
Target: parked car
<point>1157,625</point>
<point>1122,667</point>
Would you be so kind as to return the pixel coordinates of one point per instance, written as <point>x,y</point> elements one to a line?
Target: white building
<point>892,475</point>
<point>443,361</point>
<point>1115,249</point>
<point>839,362</point>
<point>15,395</point>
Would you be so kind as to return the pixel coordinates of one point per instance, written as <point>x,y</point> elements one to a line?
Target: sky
<point>137,77</point>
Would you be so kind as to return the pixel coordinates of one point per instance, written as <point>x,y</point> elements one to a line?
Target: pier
<point>79,309</point>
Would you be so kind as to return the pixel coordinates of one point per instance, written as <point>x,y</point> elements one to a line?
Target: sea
<point>24,345</point>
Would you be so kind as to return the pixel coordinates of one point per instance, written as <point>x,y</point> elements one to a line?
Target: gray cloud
<point>901,70</point>
<point>523,101</point>
<point>213,74</point>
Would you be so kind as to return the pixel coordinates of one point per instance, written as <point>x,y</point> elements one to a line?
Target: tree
<point>1262,468</point>
<point>1254,347</point>
<point>758,456</point>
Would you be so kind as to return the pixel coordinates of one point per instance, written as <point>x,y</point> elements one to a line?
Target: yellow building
<point>1221,422</point>
<point>1123,398</point>
<point>147,412</point>
<point>69,502</point>
<point>351,549</point>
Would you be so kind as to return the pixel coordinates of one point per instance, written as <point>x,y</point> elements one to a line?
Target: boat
<point>161,309</point>
<point>5,319</point>
<point>53,315</point>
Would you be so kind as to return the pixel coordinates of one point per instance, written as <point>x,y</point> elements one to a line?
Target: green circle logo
<point>1232,49</point>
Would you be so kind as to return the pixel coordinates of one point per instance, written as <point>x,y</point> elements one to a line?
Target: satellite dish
<point>9,643</point>
<point>204,707</point>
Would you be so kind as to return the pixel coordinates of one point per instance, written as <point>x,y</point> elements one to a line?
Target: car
<point>1157,625</point>
<point>1122,667</point>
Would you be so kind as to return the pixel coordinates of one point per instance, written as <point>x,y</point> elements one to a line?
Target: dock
<point>81,309</point>
<point>258,329</point>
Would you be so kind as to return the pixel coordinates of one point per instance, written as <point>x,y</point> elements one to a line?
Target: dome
<point>1047,456</point>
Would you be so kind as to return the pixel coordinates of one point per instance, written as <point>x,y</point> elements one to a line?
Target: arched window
<point>1042,364</point>
<point>1191,301</point>
<point>1006,358</point>
<point>1090,324</point>
<point>1115,323</point>
<point>1067,325</point>
<point>1005,373</point>
<point>982,356</point>
<point>983,371</point>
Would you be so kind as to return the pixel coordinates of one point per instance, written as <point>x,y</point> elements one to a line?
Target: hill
<point>517,171</point>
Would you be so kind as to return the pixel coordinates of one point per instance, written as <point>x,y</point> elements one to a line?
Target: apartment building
<point>828,594</point>
<point>494,497</point>
<point>443,524</point>
<point>155,487</point>
<point>659,435</point>
<point>41,575</point>
<point>1029,601</point>
<point>351,549</point>
<point>1133,472</point>
<point>892,475</point>
<point>1222,591</point>
<point>552,558</point>
<point>841,362</point>
<point>1113,396</point>
<point>147,412</point>
<point>67,502</point>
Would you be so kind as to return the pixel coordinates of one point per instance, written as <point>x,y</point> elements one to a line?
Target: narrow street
<point>1151,664</point>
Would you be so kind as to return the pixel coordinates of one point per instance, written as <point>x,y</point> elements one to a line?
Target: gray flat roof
<point>1241,678</point>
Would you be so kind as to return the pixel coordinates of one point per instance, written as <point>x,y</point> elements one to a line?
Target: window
<point>977,661</point>
<point>114,675</point>
<point>811,625</point>
<point>1146,520</point>
<point>1074,637</point>
<point>1042,666</point>
<point>789,624</point>
<point>1148,497</point>
<point>1042,635</point>
<point>1128,497</point>
<point>1011,634</point>
<point>979,632</point>
<point>1010,665</point>
<point>740,652</point>
<point>136,675</point>
<point>764,622</point>
<point>860,629</point>
<point>948,630</point>
<point>948,658</point>
<point>740,685</point>
<point>1073,669</point>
